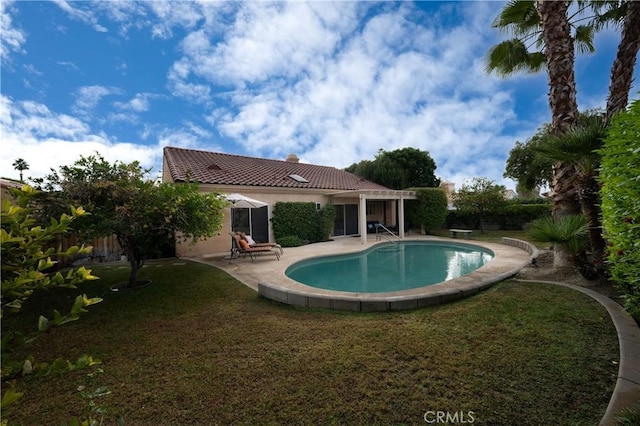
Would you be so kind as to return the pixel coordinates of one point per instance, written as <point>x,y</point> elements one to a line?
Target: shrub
<point>26,268</point>
<point>620,178</point>
<point>303,220</point>
<point>516,215</point>
<point>290,241</point>
<point>513,216</point>
<point>429,211</point>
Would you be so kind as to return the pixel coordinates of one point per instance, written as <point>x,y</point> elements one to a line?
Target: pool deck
<point>266,275</point>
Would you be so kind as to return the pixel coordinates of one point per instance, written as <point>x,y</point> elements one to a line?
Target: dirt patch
<point>543,270</point>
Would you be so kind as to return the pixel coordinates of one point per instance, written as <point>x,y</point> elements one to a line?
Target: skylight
<point>298,178</point>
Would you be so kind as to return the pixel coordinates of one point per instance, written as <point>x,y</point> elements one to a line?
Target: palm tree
<point>623,65</point>
<point>20,165</point>
<point>524,52</point>
<point>547,26</point>
<point>549,30</point>
<point>568,232</point>
<point>578,147</point>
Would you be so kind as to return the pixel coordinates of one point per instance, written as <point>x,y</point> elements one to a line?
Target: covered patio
<point>392,214</point>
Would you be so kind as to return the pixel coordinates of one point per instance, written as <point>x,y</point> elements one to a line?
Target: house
<point>6,185</point>
<point>510,194</point>
<point>356,200</point>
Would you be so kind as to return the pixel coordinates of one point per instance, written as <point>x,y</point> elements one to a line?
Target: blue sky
<point>332,82</point>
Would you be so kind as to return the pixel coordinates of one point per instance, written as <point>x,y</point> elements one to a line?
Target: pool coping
<point>267,276</point>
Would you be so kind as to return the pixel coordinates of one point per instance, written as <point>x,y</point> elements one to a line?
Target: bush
<point>290,241</point>
<point>620,178</point>
<point>302,220</point>
<point>429,211</point>
<point>514,216</point>
<point>27,268</point>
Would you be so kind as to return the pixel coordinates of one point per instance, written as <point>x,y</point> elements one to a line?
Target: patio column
<point>401,218</point>
<point>362,218</point>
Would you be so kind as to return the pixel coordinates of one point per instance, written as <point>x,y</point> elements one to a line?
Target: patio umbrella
<point>240,201</point>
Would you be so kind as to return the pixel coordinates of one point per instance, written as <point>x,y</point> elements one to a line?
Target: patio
<point>267,276</point>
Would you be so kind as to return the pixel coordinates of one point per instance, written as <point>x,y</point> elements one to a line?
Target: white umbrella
<point>240,201</point>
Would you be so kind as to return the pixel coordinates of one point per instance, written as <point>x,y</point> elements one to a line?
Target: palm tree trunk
<point>560,58</point>
<point>623,65</point>
<point>590,199</point>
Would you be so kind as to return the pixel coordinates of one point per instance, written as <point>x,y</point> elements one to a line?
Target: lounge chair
<point>240,247</point>
<point>252,243</point>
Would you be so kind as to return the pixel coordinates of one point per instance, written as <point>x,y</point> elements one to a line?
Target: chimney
<point>292,158</point>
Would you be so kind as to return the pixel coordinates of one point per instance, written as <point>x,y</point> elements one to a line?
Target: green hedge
<point>515,216</point>
<point>429,210</point>
<point>620,178</point>
<point>302,221</point>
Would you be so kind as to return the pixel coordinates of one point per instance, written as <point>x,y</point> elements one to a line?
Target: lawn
<point>197,347</point>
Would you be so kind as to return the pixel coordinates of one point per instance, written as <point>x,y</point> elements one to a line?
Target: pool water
<point>391,267</point>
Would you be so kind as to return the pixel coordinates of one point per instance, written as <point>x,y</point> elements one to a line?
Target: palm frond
<point>512,56</point>
<point>584,39</point>
<point>608,13</point>
<point>578,145</point>
<point>568,231</point>
<point>518,17</point>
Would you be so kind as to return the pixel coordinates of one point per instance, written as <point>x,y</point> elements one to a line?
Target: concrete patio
<point>267,276</point>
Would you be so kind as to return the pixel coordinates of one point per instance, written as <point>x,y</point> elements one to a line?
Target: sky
<point>332,82</point>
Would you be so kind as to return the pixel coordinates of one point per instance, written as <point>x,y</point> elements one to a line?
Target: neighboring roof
<point>216,168</point>
<point>10,183</point>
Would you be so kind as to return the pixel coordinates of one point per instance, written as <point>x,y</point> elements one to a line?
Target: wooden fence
<point>105,249</point>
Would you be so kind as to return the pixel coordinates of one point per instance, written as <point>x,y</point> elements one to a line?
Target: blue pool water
<point>391,267</point>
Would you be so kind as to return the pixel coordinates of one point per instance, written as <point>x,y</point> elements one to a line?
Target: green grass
<point>196,347</point>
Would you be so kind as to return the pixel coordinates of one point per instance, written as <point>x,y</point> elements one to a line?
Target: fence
<point>105,249</point>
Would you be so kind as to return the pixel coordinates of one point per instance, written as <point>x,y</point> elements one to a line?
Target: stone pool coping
<point>267,276</point>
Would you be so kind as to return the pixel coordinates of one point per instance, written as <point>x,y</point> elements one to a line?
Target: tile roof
<point>216,168</point>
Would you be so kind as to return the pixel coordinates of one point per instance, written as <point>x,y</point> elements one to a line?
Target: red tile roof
<point>216,168</point>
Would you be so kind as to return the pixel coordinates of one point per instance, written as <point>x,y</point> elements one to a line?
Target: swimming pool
<point>391,267</point>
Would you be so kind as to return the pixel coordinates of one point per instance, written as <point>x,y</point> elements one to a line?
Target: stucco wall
<point>220,245</point>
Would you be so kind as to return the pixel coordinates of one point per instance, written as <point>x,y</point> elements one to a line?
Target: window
<point>298,178</point>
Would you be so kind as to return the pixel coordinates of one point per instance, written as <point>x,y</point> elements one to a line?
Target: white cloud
<point>45,140</point>
<point>12,38</point>
<point>390,84</point>
<point>331,82</point>
<point>139,103</point>
<point>88,97</point>
<point>170,14</point>
<point>83,15</point>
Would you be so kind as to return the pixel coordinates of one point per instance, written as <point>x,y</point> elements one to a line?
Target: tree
<point>138,211</point>
<point>570,232</point>
<point>626,56</point>
<point>551,29</point>
<point>399,169</point>
<point>481,197</point>
<point>20,165</point>
<point>578,146</point>
<point>429,211</point>
<point>546,26</point>
<point>525,166</point>
<point>27,266</point>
